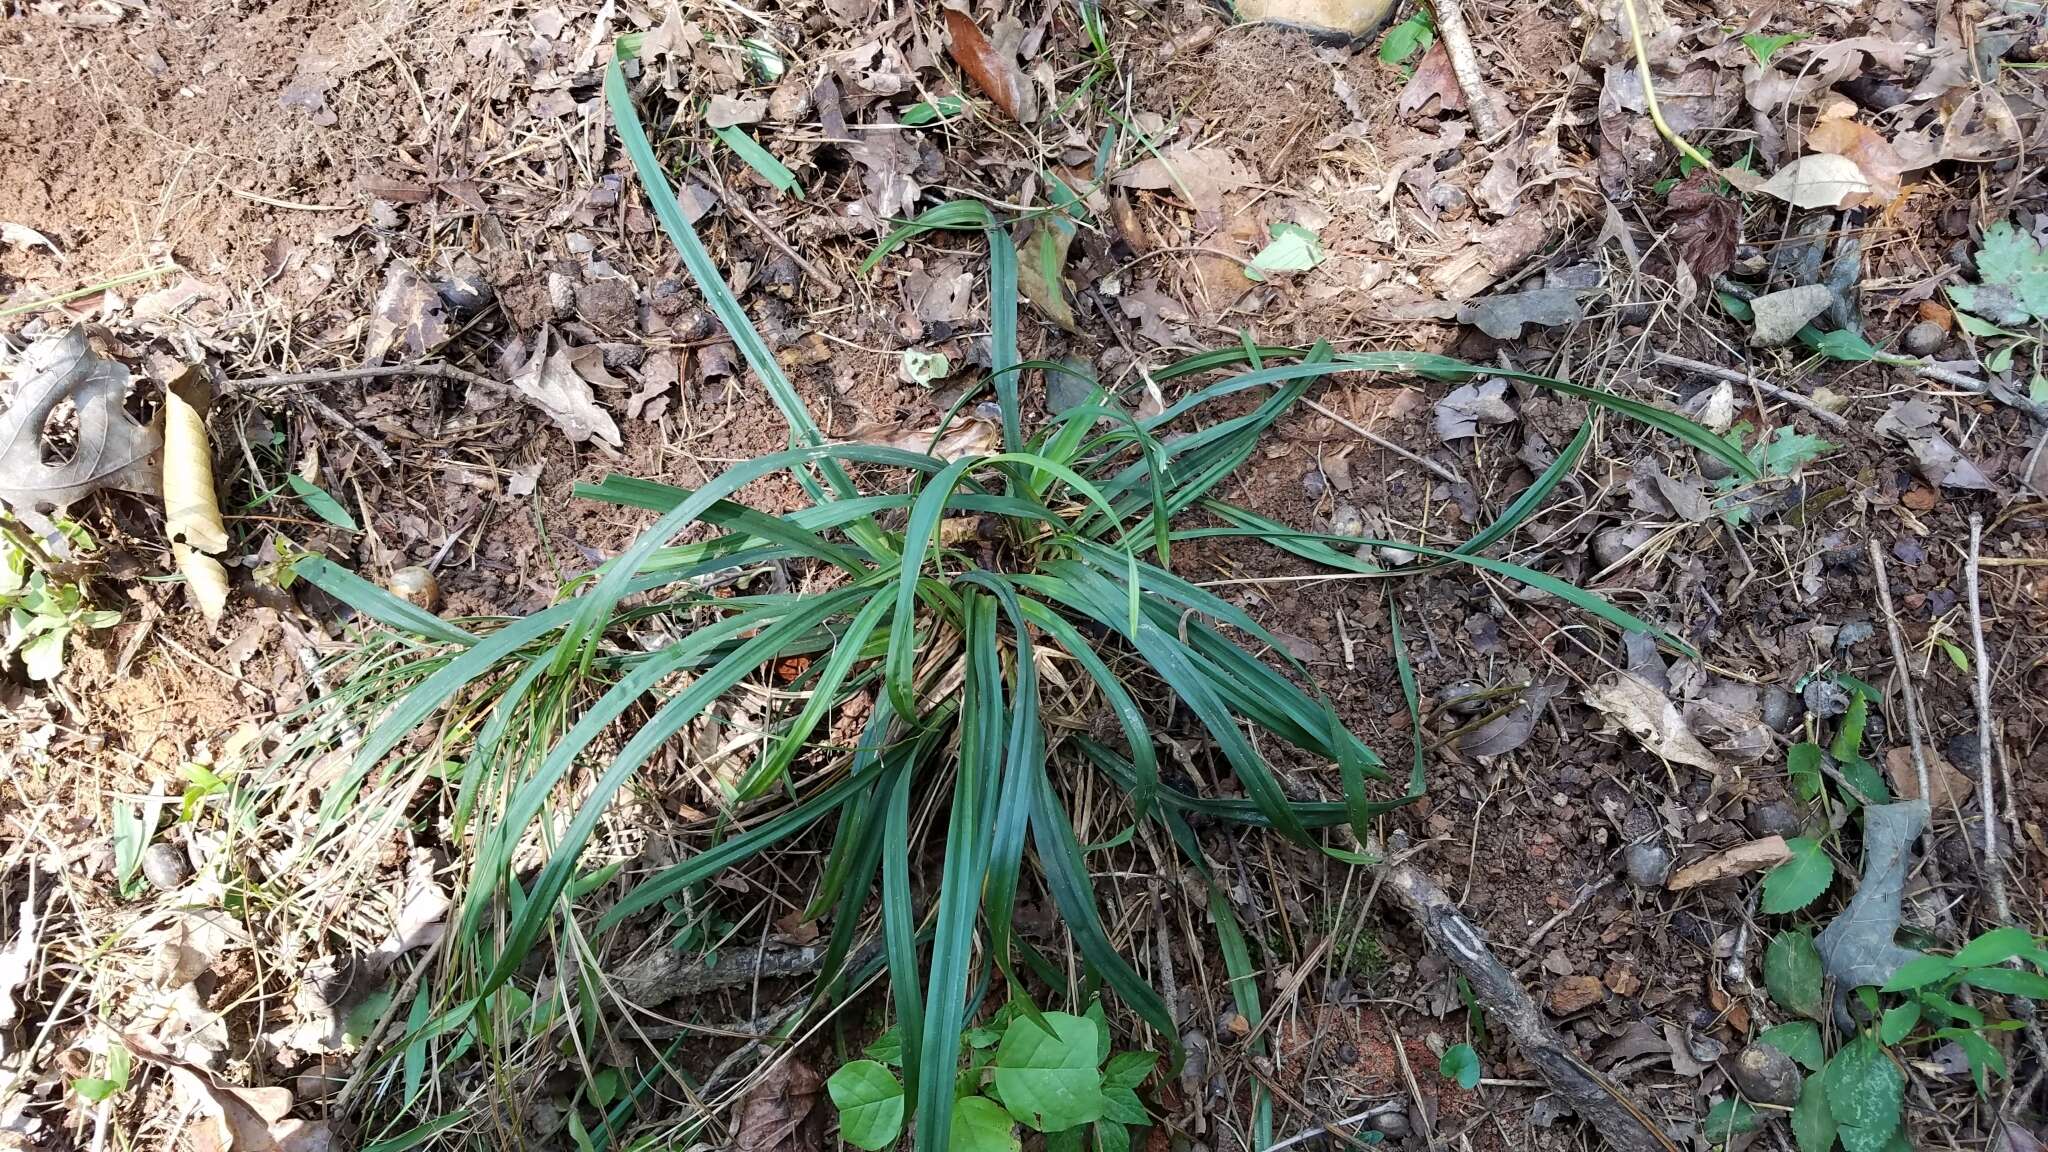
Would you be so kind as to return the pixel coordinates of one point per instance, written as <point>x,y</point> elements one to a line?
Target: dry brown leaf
<point>1638,706</point>
<point>409,317</point>
<point>109,450</point>
<point>1202,175</point>
<point>205,579</point>
<point>239,1119</point>
<point>1821,180</point>
<point>1433,79</point>
<point>1950,785</point>
<point>1704,224</point>
<point>550,380</point>
<point>1872,154</point>
<point>1737,861</point>
<point>781,1113</point>
<point>968,438</point>
<point>995,73</point>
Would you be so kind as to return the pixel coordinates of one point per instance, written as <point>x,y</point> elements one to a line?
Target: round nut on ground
<point>165,867</point>
<point>1347,521</point>
<point>1781,708</point>
<point>1924,338</point>
<point>416,586</point>
<point>1648,864</point>
<point>1767,1076</point>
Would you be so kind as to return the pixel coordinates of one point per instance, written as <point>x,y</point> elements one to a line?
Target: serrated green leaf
<point>1813,1126</point>
<point>1728,1119</point>
<point>869,1099</point>
<point>981,1125</point>
<point>1799,1039</point>
<point>1898,1020</point>
<point>2012,275</point>
<point>1919,972</point>
<point>1789,451</point>
<point>1995,947</point>
<point>1865,1091</point>
<point>1050,1083</point>
<point>1111,1137</point>
<point>1799,881</point>
<point>1460,1063</point>
<point>1802,767</point>
<point>1792,973</point>
<point>1122,1106</point>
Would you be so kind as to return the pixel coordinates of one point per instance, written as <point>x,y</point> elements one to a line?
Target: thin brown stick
<point>1987,797</point>
<point>439,369</point>
<point>1450,28</point>
<point>349,426</point>
<point>1912,698</point>
<point>1383,442</point>
<point>1806,404</point>
<point>1954,379</point>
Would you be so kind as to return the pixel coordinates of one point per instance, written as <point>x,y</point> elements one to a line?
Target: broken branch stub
<point>111,449</point>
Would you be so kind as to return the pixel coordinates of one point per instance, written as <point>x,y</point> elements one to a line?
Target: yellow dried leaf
<point>205,579</point>
<point>191,511</point>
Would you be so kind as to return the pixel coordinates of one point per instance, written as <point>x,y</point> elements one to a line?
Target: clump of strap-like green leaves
<point>1063,564</point>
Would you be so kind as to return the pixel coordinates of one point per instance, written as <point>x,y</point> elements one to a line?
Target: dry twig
<point>1806,404</point>
<point>1994,868</point>
<point>1450,28</point>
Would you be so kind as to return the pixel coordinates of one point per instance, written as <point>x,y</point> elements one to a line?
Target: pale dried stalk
<point>1994,868</point>
<point>1450,28</point>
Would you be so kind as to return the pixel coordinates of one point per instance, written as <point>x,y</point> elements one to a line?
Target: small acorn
<point>416,586</point>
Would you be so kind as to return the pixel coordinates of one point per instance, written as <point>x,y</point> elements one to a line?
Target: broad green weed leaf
<point>1802,766</point>
<point>1128,1069</point>
<point>1813,1126</point>
<point>1293,249</point>
<point>1865,1091</point>
<point>1792,973</point>
<point>1898,1021</point>
<point>1050,1082</point>
<point>1920,972</point>
<point>1799,881</point>
<point>2010,981</point>
<point>981,1125</point>
<point>870,1103</point>
<point>1799,1039</point>
<point>1728,1119</point>
<point>1405,39</point>
<point>321,502</point>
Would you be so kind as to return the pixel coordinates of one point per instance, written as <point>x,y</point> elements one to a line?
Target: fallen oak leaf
<point>409,314</point>
<point>1861,946</point>
<point>993,72</point>
<point>111,449</point>
<point>1434,79</point>
<point>780,1113</point>
<point>1202,175</point>
<point>1648,715</point>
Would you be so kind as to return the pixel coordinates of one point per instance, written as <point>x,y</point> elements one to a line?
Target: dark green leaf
<point>870,1103</point>
<point>1799,1039</point>
<point>1799,881</point>
<point>320,502</point>
<point>1865,1091</point>
<point>1995,947</point>
<point>1728,1119</point>
<point>1792,973</point>
<point>1460,1063</point>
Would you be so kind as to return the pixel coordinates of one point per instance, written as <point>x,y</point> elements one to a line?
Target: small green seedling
<point>43,611</point>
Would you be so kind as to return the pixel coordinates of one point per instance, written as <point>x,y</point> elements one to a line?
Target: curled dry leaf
<point>781,1113</point>
<point>409,317</point>
<point>110,449</point>
<point>1503,317</point>
<point>191,509</point>
<point>1433,80</point>
<point>1940,462</point>
<point>1636,705</point>
<point>550,380</point>
<point>1740,860</point>
<point>995,73</point>
<point>237,1119</point>
<point>1704,225</point>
